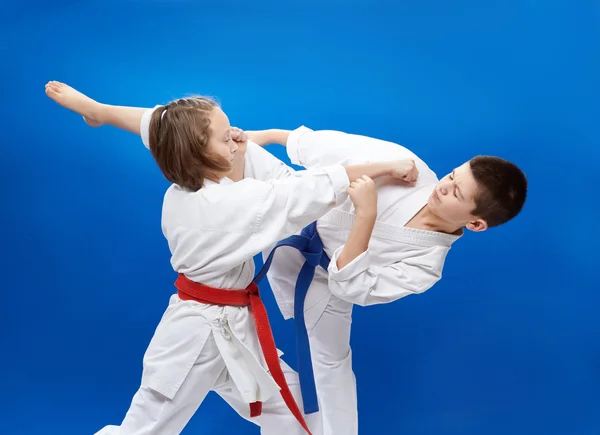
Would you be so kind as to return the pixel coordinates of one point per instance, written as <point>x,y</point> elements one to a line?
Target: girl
<point>208,338</point>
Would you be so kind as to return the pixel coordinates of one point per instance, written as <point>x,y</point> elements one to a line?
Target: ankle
<point>100,112</point>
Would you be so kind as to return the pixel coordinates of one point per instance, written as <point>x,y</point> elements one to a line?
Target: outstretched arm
<point>271,136</point>
<point>309,148</point>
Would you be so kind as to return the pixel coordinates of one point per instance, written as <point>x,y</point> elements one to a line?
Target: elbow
<point>358,290</point>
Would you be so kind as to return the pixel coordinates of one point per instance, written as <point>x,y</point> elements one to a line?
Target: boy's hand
<point>405,170</point>
<point>240,137</point>
<point>363,193</point>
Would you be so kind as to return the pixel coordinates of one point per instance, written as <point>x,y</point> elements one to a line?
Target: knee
<point>332,360</point>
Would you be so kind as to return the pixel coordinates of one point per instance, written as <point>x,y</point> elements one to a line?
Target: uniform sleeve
<point>241,220</point>
<point>362,283</point>
<point>145,126</point>
<point>292,203</point>
<point>262,165</point>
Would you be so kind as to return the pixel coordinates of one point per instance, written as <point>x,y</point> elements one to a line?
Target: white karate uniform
<point>213,235</point>
<point>399,262</point>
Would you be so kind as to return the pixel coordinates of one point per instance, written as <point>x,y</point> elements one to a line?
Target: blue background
<point>507,343</point>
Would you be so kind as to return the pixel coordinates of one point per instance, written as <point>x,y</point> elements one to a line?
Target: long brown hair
<point>179,137</point>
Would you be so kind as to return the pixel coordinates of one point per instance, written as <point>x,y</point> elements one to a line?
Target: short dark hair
<point>179,137</point>
<point>502,189</point>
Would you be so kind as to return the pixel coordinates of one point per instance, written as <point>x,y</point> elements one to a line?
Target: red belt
<point>190,290</point>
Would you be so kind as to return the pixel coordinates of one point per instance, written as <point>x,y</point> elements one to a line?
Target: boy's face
<point>453,199</point>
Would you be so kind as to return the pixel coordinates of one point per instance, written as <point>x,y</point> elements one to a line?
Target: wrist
<point>390,167</point>
<point>278,136</point>
<point>270,136</point>
<point>367,213</point>
<point>384,169</point>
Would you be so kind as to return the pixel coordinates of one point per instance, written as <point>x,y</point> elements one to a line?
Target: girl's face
<point>220,142</point>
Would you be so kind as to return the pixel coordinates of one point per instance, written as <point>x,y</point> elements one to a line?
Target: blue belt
<point>310,245</point>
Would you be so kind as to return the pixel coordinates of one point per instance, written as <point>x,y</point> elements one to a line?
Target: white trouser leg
<point>151,413</point>
<point>332,365</point>
<point>276,418</point>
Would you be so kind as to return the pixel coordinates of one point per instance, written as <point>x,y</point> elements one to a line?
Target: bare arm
<point>358,240</point>
<point>373,170</point>
<point>363,193</point>
<point>266,137</point>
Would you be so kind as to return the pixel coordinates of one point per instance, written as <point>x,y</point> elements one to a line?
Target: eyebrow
<point>458,188</point>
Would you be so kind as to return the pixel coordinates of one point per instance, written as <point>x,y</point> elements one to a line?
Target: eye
<point>454,192</point>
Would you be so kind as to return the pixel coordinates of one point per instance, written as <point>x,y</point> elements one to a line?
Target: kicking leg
<point>93,112</point>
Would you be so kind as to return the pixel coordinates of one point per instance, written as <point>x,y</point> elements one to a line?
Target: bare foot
<point>74,100</point>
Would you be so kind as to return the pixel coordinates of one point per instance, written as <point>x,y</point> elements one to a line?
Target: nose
<point>234,147</point>
<point>443,189</point>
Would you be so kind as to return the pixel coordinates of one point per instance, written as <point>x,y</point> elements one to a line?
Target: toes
<point>53,86</point>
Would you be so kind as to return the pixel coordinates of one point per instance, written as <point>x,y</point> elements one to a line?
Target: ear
<point>477,226</point>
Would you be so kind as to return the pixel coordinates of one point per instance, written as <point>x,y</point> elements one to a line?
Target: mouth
<point>435,196</point>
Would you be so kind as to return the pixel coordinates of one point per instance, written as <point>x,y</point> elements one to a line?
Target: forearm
<point>358,240</point>
<point>371,170</point>
<point>266,137</point>
<point>279,136</point>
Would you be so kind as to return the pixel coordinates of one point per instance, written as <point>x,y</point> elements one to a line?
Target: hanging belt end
<point>255,409</point>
